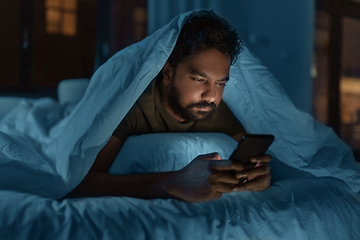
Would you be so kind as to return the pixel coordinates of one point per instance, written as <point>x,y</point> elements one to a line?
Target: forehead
<point>210,62</point>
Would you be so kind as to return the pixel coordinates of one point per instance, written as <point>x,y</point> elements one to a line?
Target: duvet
<point>44,154</point>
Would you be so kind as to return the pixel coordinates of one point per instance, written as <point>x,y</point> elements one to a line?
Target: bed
<point>47,147</point>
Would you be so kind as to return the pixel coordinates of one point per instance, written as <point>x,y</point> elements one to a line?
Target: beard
<point>188,113</point>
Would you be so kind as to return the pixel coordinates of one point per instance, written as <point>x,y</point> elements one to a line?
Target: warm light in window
<point>350,85</point>
<point>53,3</point>
<point>69,5</point>
<point>61,17</point>
<point>139,18</point>
<point>53,19</point>
<point>350,91</point>
<point>69,24</point>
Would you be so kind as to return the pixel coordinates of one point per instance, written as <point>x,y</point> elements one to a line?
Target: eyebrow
<point>196,72</point>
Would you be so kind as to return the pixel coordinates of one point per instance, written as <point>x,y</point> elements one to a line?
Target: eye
<point>222,84</point>
<point>198,79</point>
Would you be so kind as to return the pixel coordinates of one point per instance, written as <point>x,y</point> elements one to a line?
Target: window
<point>60,17</point>
<point>139,20</point>
<point>337,68</point>
<point>350,83</point>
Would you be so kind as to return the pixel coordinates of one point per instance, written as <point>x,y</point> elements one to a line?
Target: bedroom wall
<point>280,33</point>
<point>9,43</point>
<point>34,60</point>
<point>120,23</point>
<point>44,42</point>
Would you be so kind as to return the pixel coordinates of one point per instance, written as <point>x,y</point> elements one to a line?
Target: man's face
<point>196,87</point>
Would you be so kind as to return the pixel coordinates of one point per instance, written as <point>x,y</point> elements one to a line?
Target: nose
<point>209,93</point>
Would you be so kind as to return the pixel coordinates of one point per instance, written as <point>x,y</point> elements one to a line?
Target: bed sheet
<point>44,155</point>
<point>292,208</point>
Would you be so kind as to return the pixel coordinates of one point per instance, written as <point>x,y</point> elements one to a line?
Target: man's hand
<point>205,178</point>
<point>258,177</point>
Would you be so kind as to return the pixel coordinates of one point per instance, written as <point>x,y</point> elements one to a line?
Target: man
<point>185,97</point>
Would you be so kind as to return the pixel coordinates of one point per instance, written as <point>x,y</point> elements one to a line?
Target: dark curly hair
<point>203,32</point>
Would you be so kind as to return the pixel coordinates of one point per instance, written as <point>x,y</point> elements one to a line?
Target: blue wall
<point>279,32</point>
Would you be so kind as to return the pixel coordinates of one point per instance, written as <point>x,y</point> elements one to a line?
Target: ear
<point>168,72</point>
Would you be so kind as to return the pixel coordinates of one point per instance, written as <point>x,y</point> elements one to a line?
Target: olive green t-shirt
<point>149,115</point>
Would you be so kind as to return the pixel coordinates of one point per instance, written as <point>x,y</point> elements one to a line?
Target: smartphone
<point>251,145</point>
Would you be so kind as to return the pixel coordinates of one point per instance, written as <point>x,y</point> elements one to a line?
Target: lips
<point>203,106</point>
<point>204,109</point>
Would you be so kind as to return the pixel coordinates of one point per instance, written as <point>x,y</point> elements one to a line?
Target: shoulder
<point>135,121</point>
<point>148,96</point>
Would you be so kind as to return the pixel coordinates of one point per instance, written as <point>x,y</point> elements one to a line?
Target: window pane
<point>350,83</point>
<point>320,67</point>
<point>70,4</point>
<point>139,20</point>
<point>69,24</point>
<point>53,3</point>
<point>53,18</point>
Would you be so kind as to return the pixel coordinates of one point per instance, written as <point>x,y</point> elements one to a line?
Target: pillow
<point>161,152</point>
<point>70,92</point>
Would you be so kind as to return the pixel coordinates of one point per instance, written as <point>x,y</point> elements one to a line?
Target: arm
<point>201,180</point>
<point>98,182</point>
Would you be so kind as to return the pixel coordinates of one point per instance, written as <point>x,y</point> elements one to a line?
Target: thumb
<point>210,156</point>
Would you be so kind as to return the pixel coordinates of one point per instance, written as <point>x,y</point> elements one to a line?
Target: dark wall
<point>120,24</point>
<point>9,43</point>
<point>58,57</point>
<point>33,59</point>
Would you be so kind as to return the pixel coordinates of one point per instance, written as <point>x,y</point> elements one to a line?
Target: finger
<point>227,177</point>
<point>216,195</point>
<point>216,156</point>
<point>257,184</point>
<point>210,156</point>
<point>261,170</point>
<point>264,158</point>
<point>228,165</point>
<point>222,187</point>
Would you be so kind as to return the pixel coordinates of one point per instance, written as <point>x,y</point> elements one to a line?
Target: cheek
<point>190,97</point>
<point>219,94</point>
<point>190,93</point>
